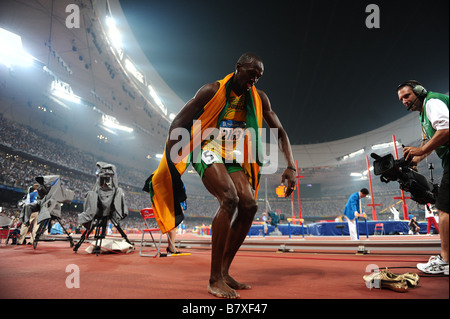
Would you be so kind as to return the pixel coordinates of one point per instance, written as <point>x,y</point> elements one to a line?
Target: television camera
<point>389,169</point>
<point>51,194</point>
<point>105,201</point>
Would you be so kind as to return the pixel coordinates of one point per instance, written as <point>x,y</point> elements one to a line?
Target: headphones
<point>416,87</point>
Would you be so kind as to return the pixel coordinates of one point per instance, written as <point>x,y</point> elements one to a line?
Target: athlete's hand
<point>289,177</point>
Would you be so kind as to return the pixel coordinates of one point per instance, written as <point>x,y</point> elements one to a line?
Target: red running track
<point>41,274</point>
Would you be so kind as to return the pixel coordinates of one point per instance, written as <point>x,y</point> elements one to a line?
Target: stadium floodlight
<point>358,152</point>
<point>157,100</point>
<point>64,91</point>
<point>366,172</point>
<point>363,175</point>
<point>112,123</point>
<point>385,145</point>
<point>11,50</point>
<point>134,71</point>
<point>114,35</point>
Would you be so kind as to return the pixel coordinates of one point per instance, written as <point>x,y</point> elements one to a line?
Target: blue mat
<point>296,230</point>
<point>329,229</point>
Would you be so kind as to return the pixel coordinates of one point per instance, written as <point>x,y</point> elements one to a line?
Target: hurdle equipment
<point>298,194</point>
<point>300,220</point>
<point>402,197</point>
<point>373,205</point>
<point>362,215</point>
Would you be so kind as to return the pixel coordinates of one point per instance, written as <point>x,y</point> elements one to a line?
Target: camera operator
<point>32,226</point>
<point>434,118</point>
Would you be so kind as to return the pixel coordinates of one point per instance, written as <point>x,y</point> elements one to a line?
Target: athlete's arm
<point>284,144</point>
<point>185,117</point>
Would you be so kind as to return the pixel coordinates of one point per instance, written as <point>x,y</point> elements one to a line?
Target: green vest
<point>441,151</point>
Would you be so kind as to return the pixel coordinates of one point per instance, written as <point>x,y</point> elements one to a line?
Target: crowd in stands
<point>57,153</point>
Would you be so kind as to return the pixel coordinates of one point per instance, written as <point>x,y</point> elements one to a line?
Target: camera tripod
<point>46,224</point>
<point>99,225</point>
<point>431,168</point>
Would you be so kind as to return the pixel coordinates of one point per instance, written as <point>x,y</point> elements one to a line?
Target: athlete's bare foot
<point>230,281</point>
<point>222,290</point>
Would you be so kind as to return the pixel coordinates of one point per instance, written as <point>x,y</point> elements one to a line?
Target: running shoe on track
<point>435,265</point>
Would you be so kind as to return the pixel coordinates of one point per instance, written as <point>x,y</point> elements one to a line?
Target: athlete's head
<point>249,69</point>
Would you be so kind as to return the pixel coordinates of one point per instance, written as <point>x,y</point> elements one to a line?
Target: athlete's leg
<point>219,183</point>
<point>240,225</point>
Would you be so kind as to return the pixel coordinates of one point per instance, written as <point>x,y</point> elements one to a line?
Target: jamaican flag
<point>165,186</point>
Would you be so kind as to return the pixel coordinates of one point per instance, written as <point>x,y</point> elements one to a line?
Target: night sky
<point>327,74</point>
